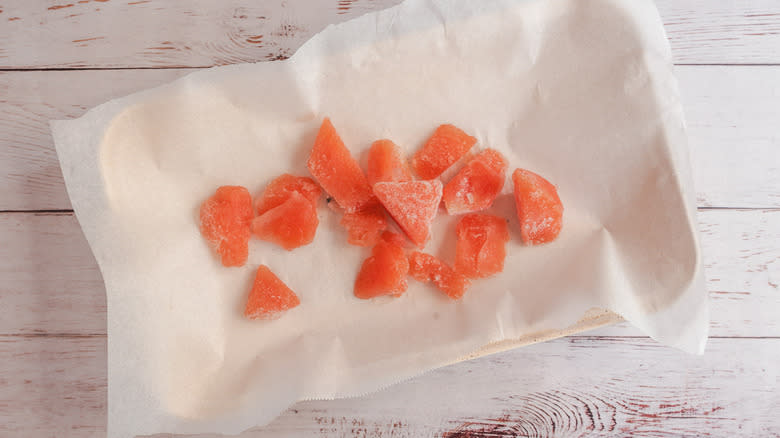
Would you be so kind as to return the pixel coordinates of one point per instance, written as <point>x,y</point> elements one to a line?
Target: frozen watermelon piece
<point>493,159</point>
<point>225,221</point>
<point>480,249</point>
<point>427,268</point>
<point>539,209</point>
<point>394,238</point>
<point>364,227</point>
<point>447,145</point>
<point>337,171</point>
<point>386,163</point>
<point>384,273</point>
<point>279,190</point>
<point>289,225</point>
<point>477,184</point>
<point>412,204</point>
<point>269,296</point>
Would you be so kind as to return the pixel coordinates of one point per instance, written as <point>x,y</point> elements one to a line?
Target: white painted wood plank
<point>201,33</point>
<point>52,386</point>
<point>732,117</point>
<point>567,387</point>
<point>103,33</point>
<point>722,32</point>
<point>51,283</point>
<point>50,280</point>
<point>731,112</point>
<point>30,174</point>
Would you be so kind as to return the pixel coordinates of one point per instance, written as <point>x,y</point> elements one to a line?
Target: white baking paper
<point>581,92</point>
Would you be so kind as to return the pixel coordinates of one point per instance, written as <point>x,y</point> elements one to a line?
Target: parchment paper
<point>580,91</point>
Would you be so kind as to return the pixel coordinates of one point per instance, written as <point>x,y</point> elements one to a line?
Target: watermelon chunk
<point>269,296</point>
<point>384,273</point>
<point>413,205</point>
<point>337,171</point>
<point>279,190</point>
<point>493,159</point>
<point>447,145</point>
<point>386,163</point>
<point>539,209</point>
<point>364,227</point>
<point>289,225</point>
<point>477,184</point>
<point>394,238</point>
<point>225,220</point>
<point>481,246</point>
<point>427,268</point>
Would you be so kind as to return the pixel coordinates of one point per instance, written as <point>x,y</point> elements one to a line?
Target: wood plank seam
<point>169,67</point>
<point>204,67</point>
<point>595,337</point>
<point>73,35</point>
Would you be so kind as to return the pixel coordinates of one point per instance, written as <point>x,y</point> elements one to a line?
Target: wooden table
<point>61,57</point>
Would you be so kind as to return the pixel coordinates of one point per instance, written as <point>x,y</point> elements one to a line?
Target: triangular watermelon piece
<point>269,296</point>
<point>413,205</point>
<point>337,171</point>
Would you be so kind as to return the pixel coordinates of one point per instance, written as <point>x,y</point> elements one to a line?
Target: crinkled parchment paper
<point>579,91</point>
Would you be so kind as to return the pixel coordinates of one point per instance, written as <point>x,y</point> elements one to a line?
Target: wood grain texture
<point>52,386</point>
<point>202,33</point>
<point>579,386</point>
<point>731,115</point>
<point>50,280</point>
<point>30,174</point>
<point>722,32</point>
<point>51,283</point>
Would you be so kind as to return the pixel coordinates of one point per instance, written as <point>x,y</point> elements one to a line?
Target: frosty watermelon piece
<point>395,238</point>
<point>337,171</point>
<point>480,249</point>
<point>427,268</point>
<point>412,204</point>
<point>447,145</point>
<point>364,227</point>
<point>385,271</point>
<point>279,190</point>
<point>493,159</point>
<point>225,221</point>
<point>289,225</point>
<point>386,163</point>
<point>539,209</point>
<point>269,296</point>
<point>477,184</point>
